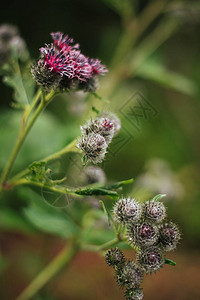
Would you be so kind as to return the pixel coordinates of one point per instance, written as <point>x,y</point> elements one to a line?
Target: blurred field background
<point>152,51</point>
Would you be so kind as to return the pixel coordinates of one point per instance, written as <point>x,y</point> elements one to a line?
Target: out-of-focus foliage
<point>158,144</point>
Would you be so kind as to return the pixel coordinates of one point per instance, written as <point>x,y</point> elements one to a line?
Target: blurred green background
<point>152,51</point>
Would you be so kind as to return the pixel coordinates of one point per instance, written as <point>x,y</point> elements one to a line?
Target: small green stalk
<point>56,189</point>
<point>105,246</point>
<point>71,147</point>
<point>22,136</point>
<point>57,264</point>
<point>32,105</point>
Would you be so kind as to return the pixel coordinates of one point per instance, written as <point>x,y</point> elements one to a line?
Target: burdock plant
<point>63,68</point>
<point>149,234</point>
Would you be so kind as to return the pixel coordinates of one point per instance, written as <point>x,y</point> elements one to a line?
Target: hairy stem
<point>61,260</point>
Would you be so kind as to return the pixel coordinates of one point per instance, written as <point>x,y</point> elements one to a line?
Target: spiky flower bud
<point>150,259</point>
<point>94,146</point>
<point>103,126</point>
<point>115,257</point>
<point>94,174</point>
<point>154,211</point>
<point>114,119</point>
<point>130,276</point>
<point>169,236</point>
<point>44,76</point>
<point>134,294</point>
<point>142,234</point>
<point>127,210</point>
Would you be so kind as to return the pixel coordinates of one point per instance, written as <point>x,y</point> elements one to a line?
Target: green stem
<point>56,189</point>
<point>22,136</point>
<point>69,148</point>
<point>61,260</point>
<point>135,29</point>
<point>33,104</point>
<point>105,246</point>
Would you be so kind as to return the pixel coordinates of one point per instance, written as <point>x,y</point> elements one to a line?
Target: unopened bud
<point>169,236</point>
<point>127,210</point>
<point>130,276</point>
<point>142,234</point>
<point>150,259</point>
<point>94,147</point>
<point>115,257</point>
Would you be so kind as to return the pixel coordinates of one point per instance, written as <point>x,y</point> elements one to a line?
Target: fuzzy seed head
<point>94,147</point>
<point>169,236</point>
<point>150,259</point>
<point>130,276</point>
<point>127,210</point>
<point>134,294</point>
<point>102,126</point>
<point>94,174</point>
<point>115,257</point>
<point>142,234</point>
<point>154,211</point>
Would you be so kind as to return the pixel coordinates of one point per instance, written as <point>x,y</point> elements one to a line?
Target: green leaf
<point>155,71</point>
<point>84,160</point>
<point>19,78</point>
<point>48,218</point>
<point>47,136</point>
<point>159,197</point>
<point>119,184</point>
<point>104,190</point>
<point>170,262</point>
<point>95,110</point>
<point>99,98</point>
<point>97,191</point>
<point>37,170</point>
<point>13,220</point>
<point>110,220</point>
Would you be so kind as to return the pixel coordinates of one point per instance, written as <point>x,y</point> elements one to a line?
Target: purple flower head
<point>63,43</point>
<point>56,61</point>
<point>82,69</point>
<point>97,68</point>
<point>64,58</point>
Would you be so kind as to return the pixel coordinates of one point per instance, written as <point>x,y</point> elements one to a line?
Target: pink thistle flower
<point>63,42</point>
<point>62,66</point>
<point>97,68</point>
<point>56,61</point>
<point>82,69</point>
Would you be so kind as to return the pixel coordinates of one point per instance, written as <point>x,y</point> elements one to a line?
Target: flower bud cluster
<point>150,234</point>
<point>97,135</point>
<point>62,66</point>
<point>128,274</point>
<point>10,43</point>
